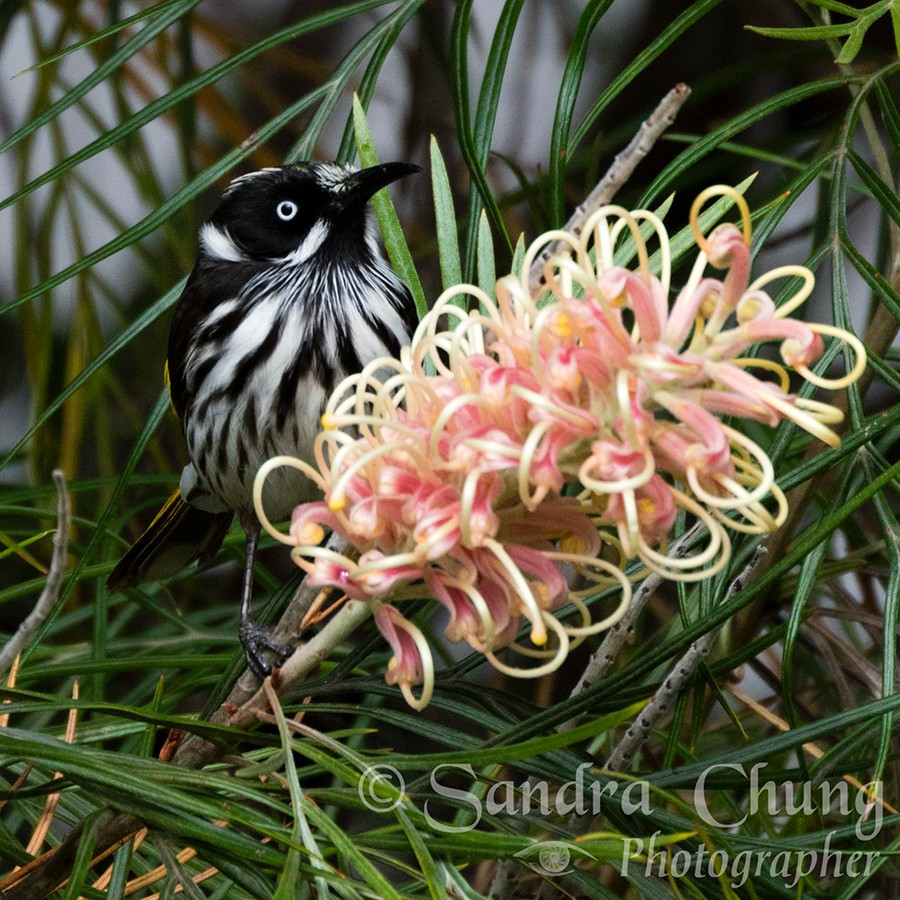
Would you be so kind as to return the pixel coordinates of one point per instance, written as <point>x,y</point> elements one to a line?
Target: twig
<point>605,655</point>
<point>640,729</point>
<point>53,585</point>
<point>245,697</point>
<point>304,660</point>
<point>618,173</point>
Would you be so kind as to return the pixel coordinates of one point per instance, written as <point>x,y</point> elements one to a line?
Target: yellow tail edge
<point>179,535</point>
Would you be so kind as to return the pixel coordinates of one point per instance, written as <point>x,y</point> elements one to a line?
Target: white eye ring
<point>286,210</point>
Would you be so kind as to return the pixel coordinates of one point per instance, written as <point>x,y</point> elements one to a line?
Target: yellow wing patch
<point>168,383</point>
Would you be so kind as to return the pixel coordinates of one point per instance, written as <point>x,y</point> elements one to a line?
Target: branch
<point>618,173</point>
<point>240,706</point>
<point>43,875</point>
<point>53,585</point>
<point>640,728</point>
<point>615,638</point>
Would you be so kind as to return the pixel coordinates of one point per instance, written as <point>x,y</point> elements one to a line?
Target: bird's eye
<point>286,210</point>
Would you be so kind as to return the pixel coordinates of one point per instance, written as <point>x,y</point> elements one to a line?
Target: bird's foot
<point>258,645</point>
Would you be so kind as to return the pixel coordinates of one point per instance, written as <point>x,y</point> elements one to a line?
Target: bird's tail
<point>179,535</point>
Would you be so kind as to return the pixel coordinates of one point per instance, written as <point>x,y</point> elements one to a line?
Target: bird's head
<point>287,214</point>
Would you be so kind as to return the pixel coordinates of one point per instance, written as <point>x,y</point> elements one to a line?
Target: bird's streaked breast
<point>260,389</point>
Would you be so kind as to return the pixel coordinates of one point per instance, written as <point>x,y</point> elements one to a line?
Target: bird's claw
<point>257,643</point>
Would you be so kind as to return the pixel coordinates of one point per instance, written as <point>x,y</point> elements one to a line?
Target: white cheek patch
<point>311,243</point>
<point>219,244</point>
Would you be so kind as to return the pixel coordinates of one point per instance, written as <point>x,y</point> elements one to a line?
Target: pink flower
<point>537,437</point>
<point>408,665</point>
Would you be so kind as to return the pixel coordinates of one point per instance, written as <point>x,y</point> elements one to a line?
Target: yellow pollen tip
<point>748,310</point>
<point>646,507</point>
<point>572,544</point>
<point>327,421</point>
<point>311,534</point>
<point>538,639</point>
<point>561,326</point>
<point>392,664</point>
<point>337,503</point>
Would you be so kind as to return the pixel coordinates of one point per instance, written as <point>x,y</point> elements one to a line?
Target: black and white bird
<point>289,294</point>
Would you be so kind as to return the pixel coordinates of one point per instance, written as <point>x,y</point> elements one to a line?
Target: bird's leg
<point>256,639</point>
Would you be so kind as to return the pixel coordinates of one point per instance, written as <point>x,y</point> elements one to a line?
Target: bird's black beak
<point>359,187</point>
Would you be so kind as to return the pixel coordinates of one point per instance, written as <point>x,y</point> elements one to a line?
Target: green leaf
<point>445,219</point>
<point>518,256</point>
<point>689,158</point>
<point>811,33</point>
<point>662,42</point>
<point>289,880</point>
<point>565,105</point>
<point>394,241</point>
<point>206,78</point>
<point>381,37</point>
<point>885,195</point>
<point>487,271</point>
<point>116,28</point>
<point>155,27</point>
<point>459,71</point>
<point>854,42</point>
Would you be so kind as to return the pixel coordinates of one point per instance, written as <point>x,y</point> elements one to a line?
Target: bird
<point>289,294</point>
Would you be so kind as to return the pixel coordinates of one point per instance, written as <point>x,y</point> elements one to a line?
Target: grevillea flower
<point>517,455</point>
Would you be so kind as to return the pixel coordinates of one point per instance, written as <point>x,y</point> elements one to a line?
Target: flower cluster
<point>518,454</point>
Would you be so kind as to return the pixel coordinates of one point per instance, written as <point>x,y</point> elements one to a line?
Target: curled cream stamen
<point>562,652</point>
<point>798,299</point>
<point>277,462</point>
<point>536,399</point>
<point>623,397</point>
<point>859,363</point>
<point>797,414</point>
<point>337,499</point>
<point>470,486</point>
<point>718,190</point>
<point>606,246</point>
<point>424,697</point>
<point>615,572</point>
<point>631,483</point>
<point>665,251</point>
<point>536,248</point>
<point>448,412</point>
<point>768,365</point>
<point>526,597</point>
<point>530,501</point>
<point>718,540</point>
<point>307,553</point>
<point>766,480</point>
<point>484,614</point>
